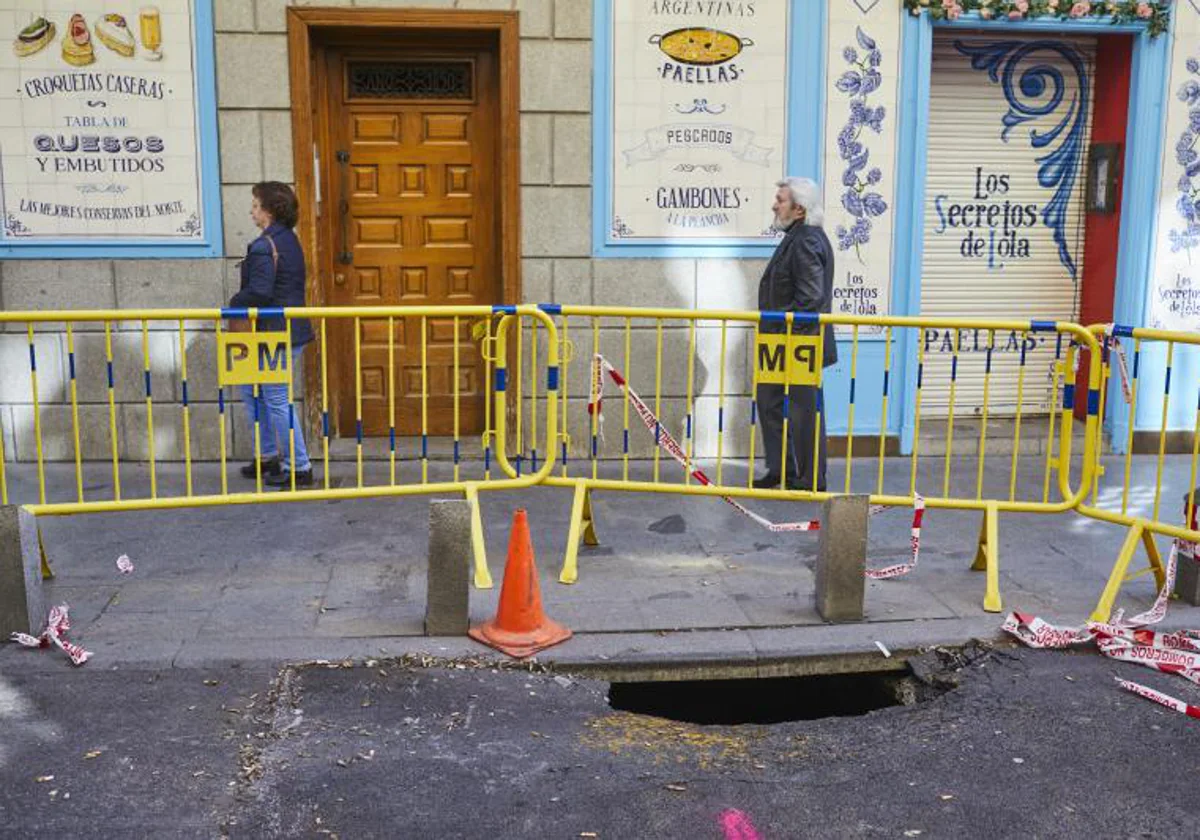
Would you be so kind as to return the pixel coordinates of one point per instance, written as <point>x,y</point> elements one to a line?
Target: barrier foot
<point>483,577</point>
<point>987,556</point>
<point>47,572</point>
<point>1117,576</point>
<point>583,529</point>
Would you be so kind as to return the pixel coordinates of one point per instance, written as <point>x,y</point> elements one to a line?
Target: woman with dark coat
<point>273,276</point>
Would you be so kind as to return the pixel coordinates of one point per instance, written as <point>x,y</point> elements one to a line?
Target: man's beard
<point>782,225</point>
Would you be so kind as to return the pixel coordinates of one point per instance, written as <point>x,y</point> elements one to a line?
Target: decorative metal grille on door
<point>410,80</point>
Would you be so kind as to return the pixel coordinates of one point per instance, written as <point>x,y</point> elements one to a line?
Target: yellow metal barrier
<point>1134,506</point>
<point>201,339</point>
<point>674,403</point>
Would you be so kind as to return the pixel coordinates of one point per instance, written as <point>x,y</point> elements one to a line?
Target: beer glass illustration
<point>151,27</point>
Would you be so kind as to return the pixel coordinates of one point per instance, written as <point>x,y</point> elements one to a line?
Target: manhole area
<point>767,700</point>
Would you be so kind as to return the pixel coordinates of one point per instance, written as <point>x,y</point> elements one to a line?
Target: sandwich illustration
<point>34,37</point>
<point>77,43</point>
<point>114,33</point>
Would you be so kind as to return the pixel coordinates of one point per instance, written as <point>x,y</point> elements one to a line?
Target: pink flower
<point>985,13</point>
<point>1144,10</point>
<point>1022,6</point>
<point>953,12</point>
<point>1081,9</point>
<point>949,4</point>
<point>1015,15</point>
<point>1053,4</point>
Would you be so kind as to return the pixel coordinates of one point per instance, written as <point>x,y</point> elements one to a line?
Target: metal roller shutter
<point>1009,127</point>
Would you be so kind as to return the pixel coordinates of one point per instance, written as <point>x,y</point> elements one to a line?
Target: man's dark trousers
<point>803,401</point>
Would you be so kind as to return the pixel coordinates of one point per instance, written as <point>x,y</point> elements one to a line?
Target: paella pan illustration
<point>700,46</point>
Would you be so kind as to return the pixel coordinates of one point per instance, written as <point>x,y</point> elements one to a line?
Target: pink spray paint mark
<point>737,826</point>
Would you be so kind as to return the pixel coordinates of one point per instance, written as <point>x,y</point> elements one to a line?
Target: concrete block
<point>235,211</point>
<point>556,76</point>
<point>556,221</point>
<point>572,18</point>
<point>661,283</point>
<point>56,284</point>
<point>537,281</point>
<point>168,432</point>
<point>536,157</point>
<point>183,284</point>
<point>278,164</point>
<point>254,71</point>
<point>234,15</point>
<point>728,284</point>
<point>129,372</point>
<point>485,5</point>
<point>842,558</point>
<point>573,281</point>
<point>271,15</point>
<point>536,17</point>
<point>241,147</point>
<point>16,384</point>
<point>201,348</point>
<point>22,603</point>
<point>573,149</point>
<point>1187,579</point>
<point>446,604</point>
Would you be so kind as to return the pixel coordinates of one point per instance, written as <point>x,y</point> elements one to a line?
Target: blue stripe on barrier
<point>595,446</point>
<point>235,312</point>
<point>71,364</point>
<point>753,412</point>
<point>720,419</point>
<point>110,375</point>
<point>552,378</point>
<point>920,374</point>
<point>504,309</point>
<point>769,316</point>
<point>657,432</point>
<point>501,379</point>
<point>291,417</point>
<point>32,359</point>
<point>185,393</point>
<point>625,443</point>
<point>220,400</point>
<point>820,401</point>
<point>256,417</point>
<point>517,463</point>
<point>551,308</point>
<point>533,460</point>
<point>456,458</point>
<point>1068,396</point>
<point>324,424</point>
<point>987,365</point>
<point>1122,331</point>
<point>1137,362</point>
<point>391,439</point>
<point>564,453</point>
<point>954,369</point>
<point>787,402</point>
<point>424,447</point>
<point>1094,401</point>
<point>1058,347</point>
<point>147,384</point>
<point>1043,326</point>
<point>853,388</point>
<point>487,458</point>
<point>358,430</point>
<point>689,426</point>
<point>270,312</point>
<point>806,317</point>
<point>887,375</point>
<point>1023,351</point>
<point>1167,384</point>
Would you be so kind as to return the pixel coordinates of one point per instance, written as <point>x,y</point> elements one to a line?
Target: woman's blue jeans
<point>275,417</point>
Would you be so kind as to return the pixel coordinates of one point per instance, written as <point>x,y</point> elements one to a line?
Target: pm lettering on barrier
<point>253,358</point>
<point>776,368</point>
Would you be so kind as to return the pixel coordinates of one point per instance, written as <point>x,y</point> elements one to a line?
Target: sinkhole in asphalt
<point>764,700</point>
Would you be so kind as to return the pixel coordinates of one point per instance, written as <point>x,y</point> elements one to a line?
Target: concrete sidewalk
<point>677,581</point>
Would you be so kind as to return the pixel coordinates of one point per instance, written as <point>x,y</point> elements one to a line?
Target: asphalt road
<point>1038,744</point>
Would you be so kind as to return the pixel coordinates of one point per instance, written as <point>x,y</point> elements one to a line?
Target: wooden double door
<point>409,218</point>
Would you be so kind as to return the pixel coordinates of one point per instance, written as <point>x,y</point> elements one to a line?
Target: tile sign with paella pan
<point>699,117</point>
<point>98,140</point>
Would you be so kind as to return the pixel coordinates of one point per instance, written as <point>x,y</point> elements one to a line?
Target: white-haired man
<point>799,278</point>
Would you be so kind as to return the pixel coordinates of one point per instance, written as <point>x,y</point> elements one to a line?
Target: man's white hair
<point>807,194</point>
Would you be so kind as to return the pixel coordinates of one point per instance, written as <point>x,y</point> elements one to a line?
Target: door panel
<point>418,137</point>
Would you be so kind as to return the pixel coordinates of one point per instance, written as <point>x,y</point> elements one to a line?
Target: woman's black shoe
<point>269,467</point>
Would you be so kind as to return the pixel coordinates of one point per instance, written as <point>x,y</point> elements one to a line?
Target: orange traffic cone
<point>520,628</point>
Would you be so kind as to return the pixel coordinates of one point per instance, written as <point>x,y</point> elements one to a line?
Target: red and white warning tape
<point>1127,640</point>
<point>668,443</point>
<point>57,626</point>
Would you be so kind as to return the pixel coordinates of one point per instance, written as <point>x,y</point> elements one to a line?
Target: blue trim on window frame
<point>1142,173</point>
<point>212,244</point>
<point>807,33</point>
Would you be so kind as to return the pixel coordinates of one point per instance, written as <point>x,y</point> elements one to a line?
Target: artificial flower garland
<point>1155,13</point>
